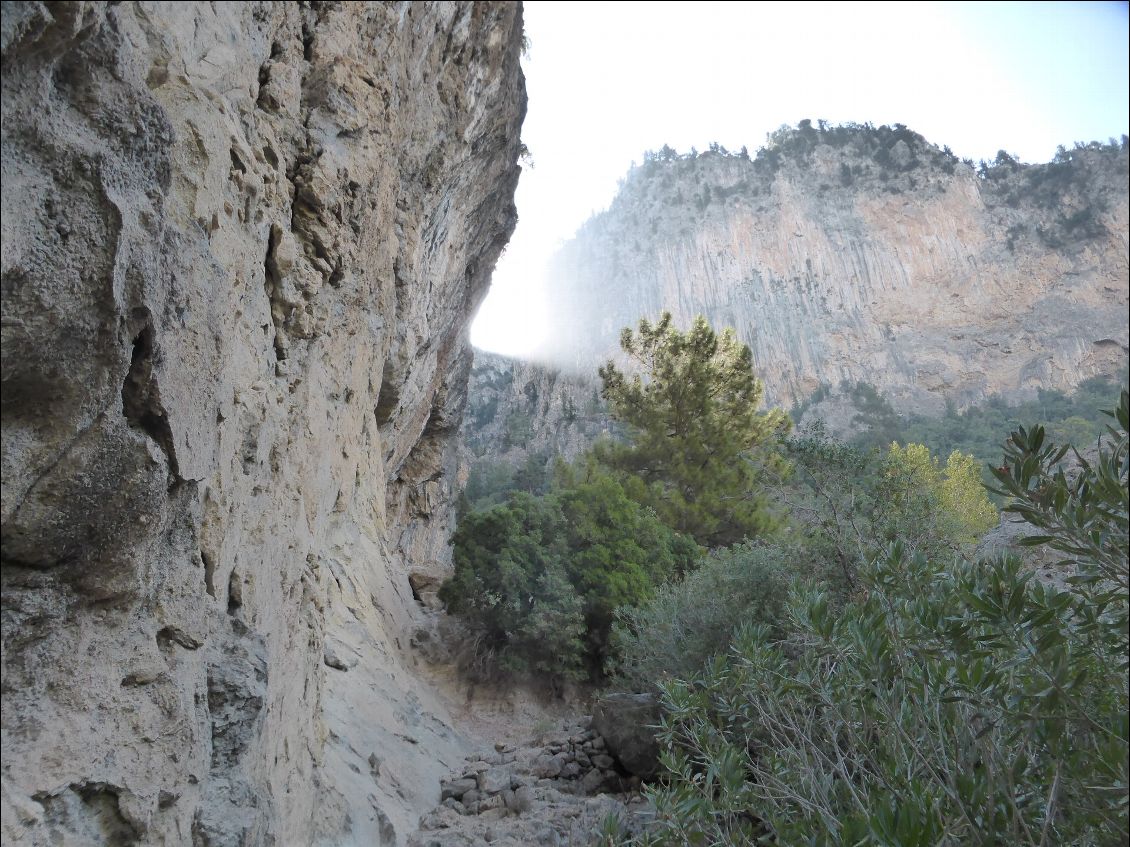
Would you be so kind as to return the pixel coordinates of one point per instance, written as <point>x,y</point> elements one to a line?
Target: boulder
<point>456,788</point>
<point>627,723</point>
<point>494,780</point>
<point>592,783</point>
<point>546,767</point>
<point>523,799</point>
<point>602,761</point>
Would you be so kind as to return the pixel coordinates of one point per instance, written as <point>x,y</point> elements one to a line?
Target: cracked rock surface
<point>241,246</point>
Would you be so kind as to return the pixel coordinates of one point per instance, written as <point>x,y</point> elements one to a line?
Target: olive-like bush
<point>948,703</point>
<point>686,624</point>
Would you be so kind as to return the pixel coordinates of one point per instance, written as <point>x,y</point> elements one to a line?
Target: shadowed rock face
<point>866,255</point>
<point>241,245</point>
<point>628,723</point>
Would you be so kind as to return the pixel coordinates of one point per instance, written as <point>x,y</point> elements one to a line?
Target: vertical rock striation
<point>241,245</point>
<point>867,255</point>
<point>517,410</point>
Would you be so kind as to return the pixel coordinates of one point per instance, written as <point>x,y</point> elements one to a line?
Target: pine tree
<point>697,438</point>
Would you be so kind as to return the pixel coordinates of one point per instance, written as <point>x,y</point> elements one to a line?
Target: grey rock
<point>592,782</point>
<point>603,761</point>
<point>495,801</point>
<point>456,788</point>
<point>627,724</point>
<point>454,805</point>
<point>523,799</point>
<point>494,780</point>
<point>900,153</point>
<point>546,767</point>
<point>336,656</point>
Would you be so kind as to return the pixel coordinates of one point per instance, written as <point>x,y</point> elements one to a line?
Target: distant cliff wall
<point>517,409</point>
<point>863,254</point>
<point>241,245</point>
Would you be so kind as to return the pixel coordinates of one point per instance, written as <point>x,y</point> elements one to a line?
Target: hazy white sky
<point>608,80</point>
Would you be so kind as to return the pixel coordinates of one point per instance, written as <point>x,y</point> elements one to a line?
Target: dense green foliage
<point>685,624</point>
<point>511,588</point>
<point>847,503</point>
<point>489,483</point>
<point>694,430</point>
<point>948,703</point>
<point>537,578</point>
<point>955,705</point>
<point>1074,418</point>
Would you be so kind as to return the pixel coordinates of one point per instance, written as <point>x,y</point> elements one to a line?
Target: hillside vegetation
<point>1072,418</point>
<point>834,664</point>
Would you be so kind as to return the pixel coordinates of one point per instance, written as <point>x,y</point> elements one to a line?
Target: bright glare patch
<point>512,319</point>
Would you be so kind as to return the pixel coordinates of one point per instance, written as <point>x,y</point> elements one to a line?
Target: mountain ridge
<point>863,254</point>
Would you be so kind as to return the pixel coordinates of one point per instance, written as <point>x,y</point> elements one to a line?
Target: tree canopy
<point>539,577</point>
<point>695,430</point>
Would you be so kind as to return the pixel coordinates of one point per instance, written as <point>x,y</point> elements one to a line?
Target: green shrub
<point>511,588</point>
<point>686,624</point>
<point>847,503</point>
<point>951,703</point>
<point>955,705</point>
<point>538,578</point>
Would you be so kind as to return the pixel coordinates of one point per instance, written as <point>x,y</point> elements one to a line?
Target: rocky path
<point>561,788</point>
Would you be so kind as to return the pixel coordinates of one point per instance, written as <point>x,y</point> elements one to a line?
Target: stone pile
<point>561,790</point>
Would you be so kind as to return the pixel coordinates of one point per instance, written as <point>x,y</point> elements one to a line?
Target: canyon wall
<point>241,245</point>
<point>864,254</point>
<point>518,409</point>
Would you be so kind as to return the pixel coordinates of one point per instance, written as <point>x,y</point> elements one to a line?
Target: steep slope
<point>241,244</point>
<point>516,409</point>
<point>867,255</point>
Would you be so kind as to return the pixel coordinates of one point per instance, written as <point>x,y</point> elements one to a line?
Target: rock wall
<point>241,245</point>
<point>863,254</point>
<point>518,409</point>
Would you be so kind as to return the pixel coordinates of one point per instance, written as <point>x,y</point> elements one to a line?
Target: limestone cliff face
<point>518,409</point>
<point>865,254</point>
<point>241,244</point>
